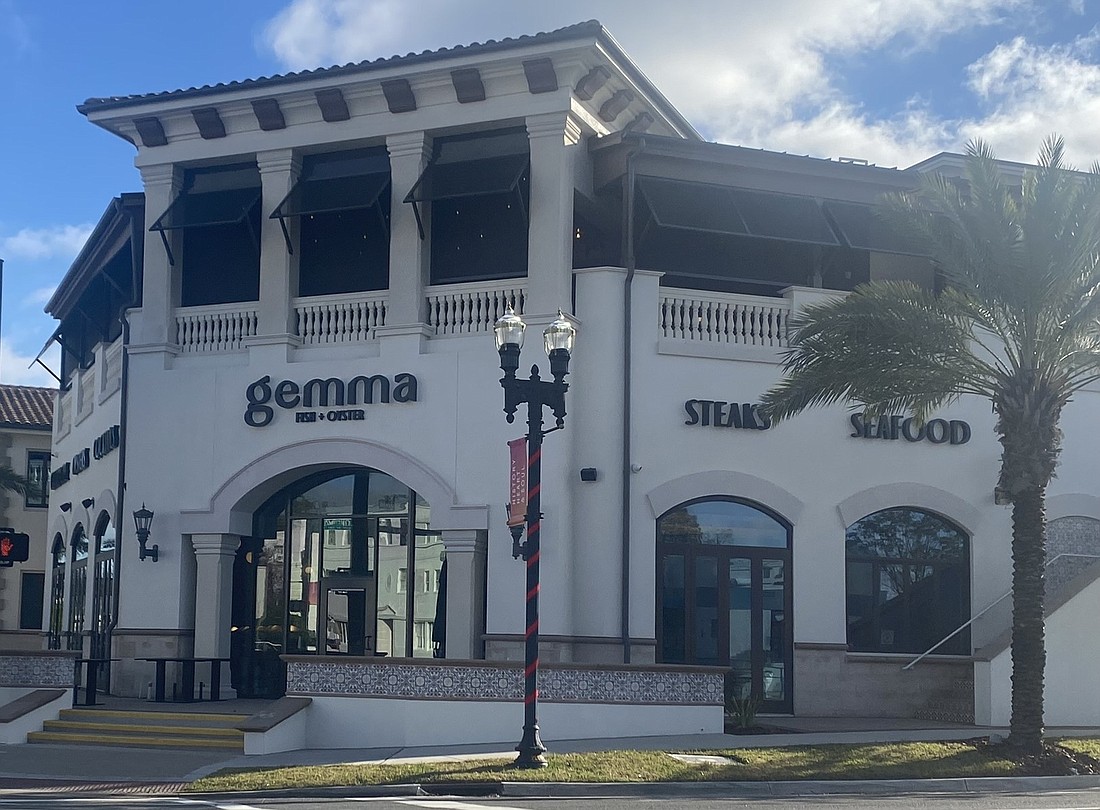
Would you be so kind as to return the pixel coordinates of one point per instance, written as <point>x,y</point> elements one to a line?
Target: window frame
<point>911,614</point>
<point>43,484</point>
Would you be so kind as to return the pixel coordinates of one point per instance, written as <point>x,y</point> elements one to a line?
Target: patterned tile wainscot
<point>36,670</point>
<point>504,681</point>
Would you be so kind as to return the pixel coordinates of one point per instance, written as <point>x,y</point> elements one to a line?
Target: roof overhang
<point>115,228</point>
<point>554,68</point>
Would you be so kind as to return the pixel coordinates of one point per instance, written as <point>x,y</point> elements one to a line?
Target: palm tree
<point>1017,322</point>
<point>12,481</point>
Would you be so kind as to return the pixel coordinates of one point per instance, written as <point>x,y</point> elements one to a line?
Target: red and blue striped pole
<point>530,748</point>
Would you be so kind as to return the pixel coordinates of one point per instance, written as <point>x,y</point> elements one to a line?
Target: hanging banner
<point>517,482</point>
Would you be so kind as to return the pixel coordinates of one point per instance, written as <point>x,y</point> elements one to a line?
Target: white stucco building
<point>305,393</point>
<point>26,416</point>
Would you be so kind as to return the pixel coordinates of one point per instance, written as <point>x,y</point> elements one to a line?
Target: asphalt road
<point>1085,799</point>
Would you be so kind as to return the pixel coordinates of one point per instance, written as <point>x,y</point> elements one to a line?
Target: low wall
<point>831,682</point>
<point>39,669</point>
<point>369,702</point>
<point>1072,676</point>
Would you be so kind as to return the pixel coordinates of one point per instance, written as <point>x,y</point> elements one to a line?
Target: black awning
<point>862,227</point>
<point>470,178</point>
<point>784,216</point>
<point>692,206</point>
<point>452,180</point>
<point>316,196</point>
<point>196,210</point>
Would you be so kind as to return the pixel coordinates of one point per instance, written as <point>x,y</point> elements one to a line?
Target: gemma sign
<point>264,396</point>
<point>936,431</point>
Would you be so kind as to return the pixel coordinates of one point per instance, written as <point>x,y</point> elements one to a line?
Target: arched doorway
<point>724,595</point>
<point>57,592</point>
<point>103,594</point>
<point>78,587</point>
<point>342,562</point>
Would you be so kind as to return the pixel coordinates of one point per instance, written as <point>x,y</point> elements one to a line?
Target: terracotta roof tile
<point>589,28</point>
<point>22,406</point>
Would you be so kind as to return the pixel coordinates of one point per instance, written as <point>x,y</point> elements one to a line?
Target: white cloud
<point>1028,92</point>
<point>39,297</point>
<point>58,241</point>
<point>17,368</point>
<point>760,74</point>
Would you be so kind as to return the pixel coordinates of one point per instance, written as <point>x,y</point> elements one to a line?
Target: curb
<point>549,790</point>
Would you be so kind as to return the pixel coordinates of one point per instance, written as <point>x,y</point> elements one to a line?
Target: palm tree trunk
<point>1028,645</point>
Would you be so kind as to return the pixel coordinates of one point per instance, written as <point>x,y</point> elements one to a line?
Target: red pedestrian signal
<point>14,547</point>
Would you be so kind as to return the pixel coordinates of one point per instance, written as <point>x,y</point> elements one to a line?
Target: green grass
<point>916,760</point>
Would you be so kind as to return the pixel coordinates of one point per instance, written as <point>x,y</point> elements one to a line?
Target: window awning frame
<point>378,181</point>
<point>421,192</point>
<point>248,198</point>
<point>833,214</point>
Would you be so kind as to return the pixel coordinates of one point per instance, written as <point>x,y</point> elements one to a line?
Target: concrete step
<point>126,717</point>
<point>132,741</point>
<point>145,729</point>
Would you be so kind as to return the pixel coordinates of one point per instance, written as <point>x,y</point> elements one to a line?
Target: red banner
<point>517,484</point>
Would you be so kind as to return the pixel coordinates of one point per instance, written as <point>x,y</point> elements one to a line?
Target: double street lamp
<point>536,393</point>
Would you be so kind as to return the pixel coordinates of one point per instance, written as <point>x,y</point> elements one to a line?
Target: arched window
<point>724,596</point>
<point>342,562</point>
<point>103,588</point>
<point>79,587</point>
<point>908,583</point>
<point>57,591</point>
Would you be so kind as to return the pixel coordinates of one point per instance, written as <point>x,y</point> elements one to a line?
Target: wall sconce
<point>1001,497</point>
<point>143,519</point>
<point>65,507</point>
<point>88,503</point>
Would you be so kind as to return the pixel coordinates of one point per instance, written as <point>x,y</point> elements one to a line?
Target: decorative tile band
<point>574,685</point>
<point>36,670</point>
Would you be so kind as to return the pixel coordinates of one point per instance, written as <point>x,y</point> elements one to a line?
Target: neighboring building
<point>307,398</point>
<point>26,417</point>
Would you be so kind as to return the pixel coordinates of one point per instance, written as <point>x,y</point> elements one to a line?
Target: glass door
<point>347,607</point>
<point>724,596</point>
<point>759,643</point>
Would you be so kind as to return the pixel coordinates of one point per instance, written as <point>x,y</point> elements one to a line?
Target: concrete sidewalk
<point>55,767</point>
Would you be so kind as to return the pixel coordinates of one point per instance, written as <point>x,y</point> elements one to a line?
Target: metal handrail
<point>985,610</point>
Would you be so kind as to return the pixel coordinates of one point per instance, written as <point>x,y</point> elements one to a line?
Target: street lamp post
<point>537,394</point>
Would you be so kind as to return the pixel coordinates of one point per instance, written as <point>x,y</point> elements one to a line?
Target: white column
<point>553,139</point>
<point>279,171</point>
<point>160,289</point>
<point>214,555</point>
<point>409,254</point>
<point>465,592</point>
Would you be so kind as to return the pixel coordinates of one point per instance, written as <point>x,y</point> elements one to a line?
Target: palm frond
<point>888,346</point>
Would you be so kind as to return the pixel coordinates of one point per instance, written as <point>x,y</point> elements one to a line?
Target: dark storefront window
<point>342,204</point>
<point>328,572</point>
<point>38,477</point>
<point>30,600</point>
<point>908,583</point>
<point>218,215</point>
<point>57,593</point>
<point>78,587</point>
<point>724,597</point>
<point>477,190</point>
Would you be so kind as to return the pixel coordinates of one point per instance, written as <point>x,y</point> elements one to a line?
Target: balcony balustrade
<point>217,328</point>
<point>723,318</point>
<point>462,309</point>
<point>349,318</point>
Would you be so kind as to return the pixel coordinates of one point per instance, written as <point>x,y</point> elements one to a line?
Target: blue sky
<point>889,81</point>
